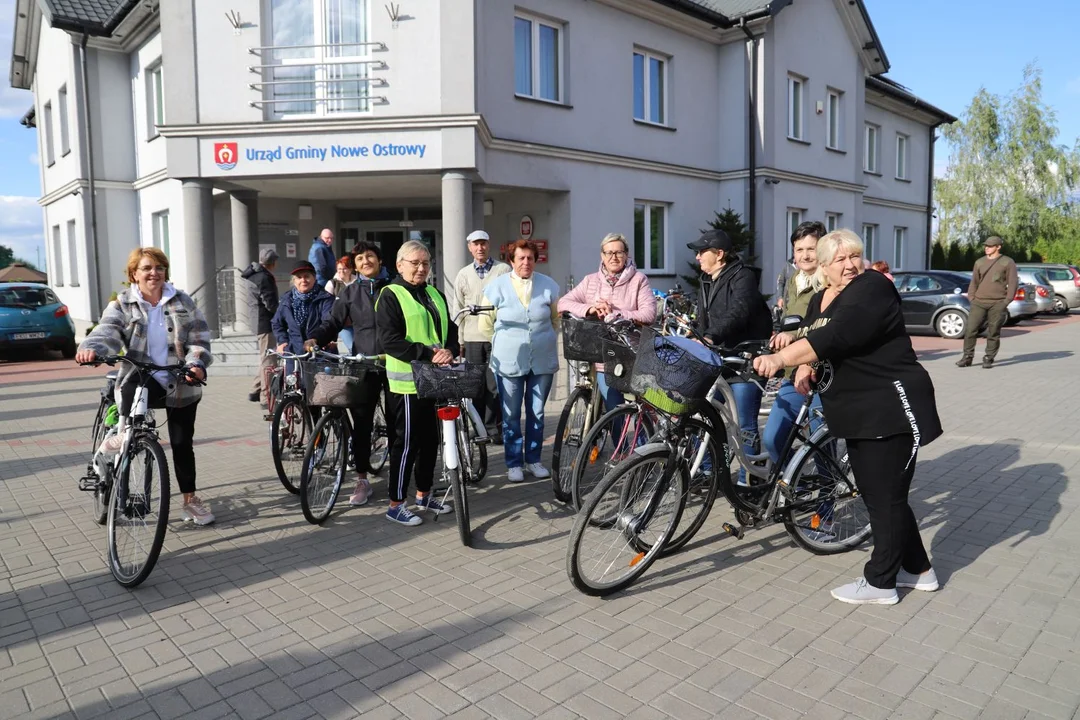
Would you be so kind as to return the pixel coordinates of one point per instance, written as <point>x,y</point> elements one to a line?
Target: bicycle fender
<point>651,447</point>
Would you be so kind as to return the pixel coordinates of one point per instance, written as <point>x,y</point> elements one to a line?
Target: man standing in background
<point>469,286</point>
<point>993,286</point>
<point>322,257</point>
<point>261,274</point>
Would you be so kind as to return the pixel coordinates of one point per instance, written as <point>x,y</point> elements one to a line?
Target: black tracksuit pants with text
<point>416,443</point>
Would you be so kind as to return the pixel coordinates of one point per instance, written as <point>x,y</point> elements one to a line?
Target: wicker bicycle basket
<point>449,382</point>
<point>583,340</point>
<point>673,373</point>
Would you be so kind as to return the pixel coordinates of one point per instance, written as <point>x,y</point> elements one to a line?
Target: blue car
<point>32,317</point>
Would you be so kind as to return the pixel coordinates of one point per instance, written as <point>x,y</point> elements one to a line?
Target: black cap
<point>712,240</point>
<point>303,266</point>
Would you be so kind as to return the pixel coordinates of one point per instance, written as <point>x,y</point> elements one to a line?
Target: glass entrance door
<point>388,242</point>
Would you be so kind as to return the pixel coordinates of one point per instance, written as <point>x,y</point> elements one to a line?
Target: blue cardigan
<point>524,339</point>
<point>285,327</point>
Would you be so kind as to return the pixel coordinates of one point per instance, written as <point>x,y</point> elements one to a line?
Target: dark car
<point>32,317</point>
<point>937,300</point>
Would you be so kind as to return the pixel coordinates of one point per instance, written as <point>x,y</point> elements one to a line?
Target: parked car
<point>1066,282</point>
<point>937,300</point>
<point>1044,291</point>
<point>31,316</point>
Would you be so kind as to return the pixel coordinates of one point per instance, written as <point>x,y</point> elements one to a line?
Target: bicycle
<point>811,489</point>
<point>97,435</point>
<point>326,453</point>
<point>135,483</point>
<point>291,423</point>
<point>583,346</point>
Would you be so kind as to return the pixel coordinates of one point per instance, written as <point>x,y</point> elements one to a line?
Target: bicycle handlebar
<point>179,369</point>
<point>357,358</point>
<point>472,310</point>
<point>291,356</point>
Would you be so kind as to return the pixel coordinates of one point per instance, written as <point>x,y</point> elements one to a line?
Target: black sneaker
<point>988,363</point>
<point>963,362</point>
<point>253,396</point>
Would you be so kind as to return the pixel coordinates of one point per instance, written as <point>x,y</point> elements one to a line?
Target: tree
<point>1006,176</point>
<point>7,256</point>
<point>731,223</point>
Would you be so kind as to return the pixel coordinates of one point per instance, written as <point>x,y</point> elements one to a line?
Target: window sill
<point>871,172</point>
<point>839,151</point>
<point>65,153</point>
<point>799,141</point>
<point>900,179</point>
<point>50,163</point>
<point>649,123</point>
<point>73,284</point>
<point>153,137</point>
<point>542,101</point>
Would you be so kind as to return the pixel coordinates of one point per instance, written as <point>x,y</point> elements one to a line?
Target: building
<point>216,129</point>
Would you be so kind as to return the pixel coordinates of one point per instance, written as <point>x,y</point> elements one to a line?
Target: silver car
<point>1066,282</point>
<point>1044,291</point>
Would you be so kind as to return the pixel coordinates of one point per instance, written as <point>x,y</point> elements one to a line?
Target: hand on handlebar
<point>780,341</point>
<point>442,356</point>
<point>281,347</point>
<point>768,365</point>
<point>194,375</point>
<point>85,357</point>
<point>805,377</point>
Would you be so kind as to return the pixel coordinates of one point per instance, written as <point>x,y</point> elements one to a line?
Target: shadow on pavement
<point>1034,357</point>
<point>38,412</point>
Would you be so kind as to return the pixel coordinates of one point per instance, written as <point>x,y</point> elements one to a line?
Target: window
<point>155,100</point>
<point>899,236</point>
<point>160,229</point>
<point>832,119</point>
<point>537,58</point>
<point>46,111</point>
<point>919,283</point>
<point>57,257</point>
<point>73,255</point>
<point>795,87</point>
<point>870,154</point>
<point>832,221</point>
<point>321,58</point>
<point>869,235</point>
<point>794,219</point>
<point>901,156</point>
<point>650,236</point>
<point>62,104</point>
<point>650,102</point>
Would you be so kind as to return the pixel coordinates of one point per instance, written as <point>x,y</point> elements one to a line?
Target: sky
<point>943,50</point>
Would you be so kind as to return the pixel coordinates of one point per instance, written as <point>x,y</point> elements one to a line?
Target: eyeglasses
<point>417,264</point>
<point>614,253</point>
<point>149,269</point>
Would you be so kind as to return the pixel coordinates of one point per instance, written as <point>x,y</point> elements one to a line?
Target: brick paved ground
<point>263,615</point>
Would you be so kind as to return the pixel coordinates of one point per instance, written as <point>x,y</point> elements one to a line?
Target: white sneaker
<point>198,512</point>
<point>515,474</point>
<point>861,592</point>
<point>111,444</point>
<point>927,581</point>
<point>537,470</point>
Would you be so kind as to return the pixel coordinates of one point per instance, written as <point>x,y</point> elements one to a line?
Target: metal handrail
<point>216,273</point>
<point>378,82</point>
<point>376,64</point>
<point>343,98</point>
<point>258,50</point>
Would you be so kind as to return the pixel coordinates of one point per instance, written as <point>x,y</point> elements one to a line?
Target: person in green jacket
<point>800,288</point>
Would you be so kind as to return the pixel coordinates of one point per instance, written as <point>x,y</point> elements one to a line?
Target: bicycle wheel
<point>625,523</point>
<point>609,441</point>
<point>458,482</point>
<point>474,455</point>
<point>289,434</point>
<point>97,435</point>
<point>380,437</point>
<point>701,487</point>
<point>568,436</point>
<point>825,513</point>
<point>138,512</point>
<point>324,467</point>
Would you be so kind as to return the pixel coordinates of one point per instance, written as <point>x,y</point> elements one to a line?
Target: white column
<point>244,212</point>
<point>478,218</point>
<point>457,210</point>
<point>199,248</point>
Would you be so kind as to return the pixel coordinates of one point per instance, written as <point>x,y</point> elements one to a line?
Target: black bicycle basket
<point>619,363</point>
<point>672,374</point>
<point>583,340</point>
<point>449,382</point>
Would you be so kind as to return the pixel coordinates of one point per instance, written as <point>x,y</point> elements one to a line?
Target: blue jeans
<point>532,390</point>
<point>748,402</point>
<point>345,338</point>
<point>612,398</point>
<point>782,417</point>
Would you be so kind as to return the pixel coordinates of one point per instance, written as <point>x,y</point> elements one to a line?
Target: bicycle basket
<point>673,373</point>
<point>333,384</point>
<point>618,365</point>
<point>449,382</point>
<point>584,339</point>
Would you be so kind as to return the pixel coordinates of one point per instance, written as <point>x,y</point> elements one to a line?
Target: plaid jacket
<point>123,325</point>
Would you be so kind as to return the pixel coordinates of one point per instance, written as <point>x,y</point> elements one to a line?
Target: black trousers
<point>489,406</point>
<point>363,422</point>
<point>181,423</point>
<point>883,471</point>
<point>416,443</point>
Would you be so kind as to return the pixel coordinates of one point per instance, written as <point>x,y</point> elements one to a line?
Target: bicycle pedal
<point>732,531</point>
<point>268,417</point>
<point>481,441</point>
<point>89,483</point>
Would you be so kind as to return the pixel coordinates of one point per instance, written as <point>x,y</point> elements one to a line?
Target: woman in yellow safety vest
<point>414,324</point>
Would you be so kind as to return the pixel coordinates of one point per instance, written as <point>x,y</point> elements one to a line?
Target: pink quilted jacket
<point>632,297</point>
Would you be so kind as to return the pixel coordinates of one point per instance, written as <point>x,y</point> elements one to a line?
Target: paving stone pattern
<point>263,615</point>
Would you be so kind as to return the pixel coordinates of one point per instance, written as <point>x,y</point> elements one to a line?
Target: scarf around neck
<point>302,305</point>
<point>613,280</point>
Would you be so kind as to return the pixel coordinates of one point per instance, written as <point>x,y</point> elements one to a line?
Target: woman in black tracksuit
<point>878,397</point>
<point>357,303</point>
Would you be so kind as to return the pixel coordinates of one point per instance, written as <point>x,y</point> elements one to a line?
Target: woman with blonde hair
<point>878,398</point>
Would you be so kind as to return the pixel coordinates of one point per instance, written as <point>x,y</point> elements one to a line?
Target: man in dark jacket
<point>356,306</point>
<point>731,310</point>
<point>261,275</point>
<point>321,257</point>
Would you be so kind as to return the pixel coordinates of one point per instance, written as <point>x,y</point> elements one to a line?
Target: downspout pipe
<point>95,297</point>
<point>930,197</point>
<point>751,137</point>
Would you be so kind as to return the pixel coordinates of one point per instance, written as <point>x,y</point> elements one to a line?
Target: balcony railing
<point>325,80</point>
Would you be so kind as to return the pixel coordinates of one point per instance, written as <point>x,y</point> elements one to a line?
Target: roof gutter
<point>91,190</point>
<point>694,10</point>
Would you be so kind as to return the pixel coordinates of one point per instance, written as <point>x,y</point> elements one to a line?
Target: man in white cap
<point>469,288</point>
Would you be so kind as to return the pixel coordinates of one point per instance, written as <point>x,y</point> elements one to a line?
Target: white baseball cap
<point>477,235</point>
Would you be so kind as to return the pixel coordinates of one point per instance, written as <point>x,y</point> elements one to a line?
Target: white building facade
<point>219,130</point>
